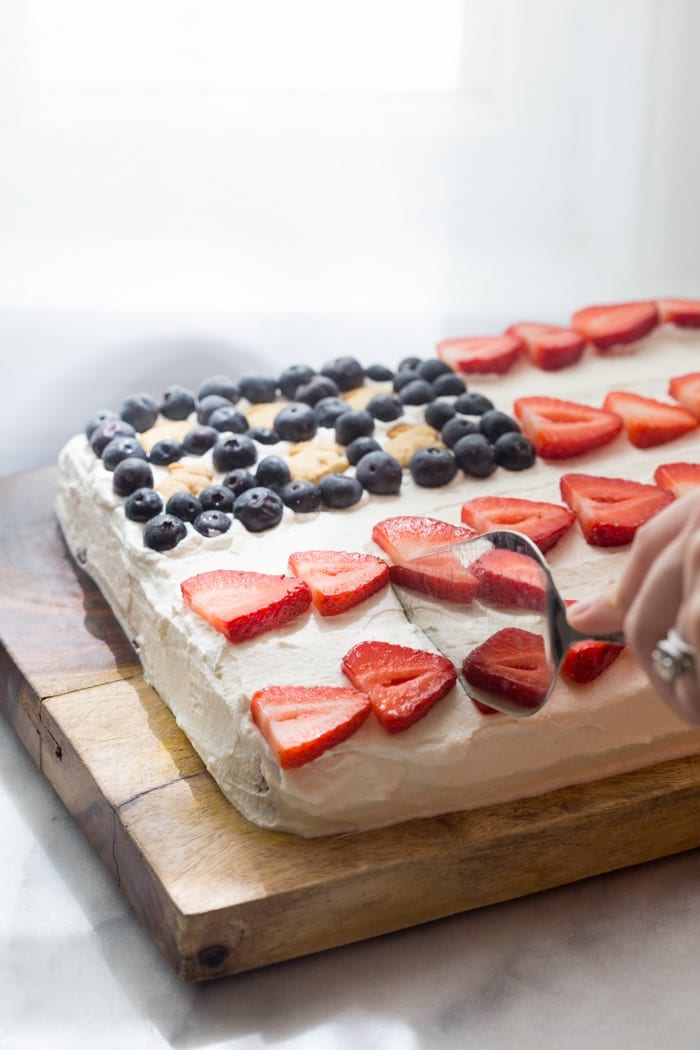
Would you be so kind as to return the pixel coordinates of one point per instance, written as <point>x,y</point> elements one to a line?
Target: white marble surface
<point>610,962</point>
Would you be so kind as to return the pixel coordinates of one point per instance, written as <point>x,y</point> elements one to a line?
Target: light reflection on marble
<point>611,962</point>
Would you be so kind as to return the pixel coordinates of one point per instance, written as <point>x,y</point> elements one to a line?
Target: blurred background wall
<point>190,186</point>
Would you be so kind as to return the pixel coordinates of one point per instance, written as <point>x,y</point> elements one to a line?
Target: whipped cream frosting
<point>455,758</point>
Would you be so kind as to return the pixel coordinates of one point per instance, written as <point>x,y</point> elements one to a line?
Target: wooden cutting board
<point>219,895</point>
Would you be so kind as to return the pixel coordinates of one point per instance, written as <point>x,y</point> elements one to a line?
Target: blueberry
<point>346,372</point>
<point>235,451</point>
<point>140,410</point>
<point>199,440</point>
<point>353,424</point>
<point>209,405</point>
<point>292,377</point>
<point>437,413</point>
<point>379,373</point>
<point>183,505</point>
<point>417,392</point>
<point>165,451</point>
<point>432,467</point>
<point>228,418</point>
<point>404,377</point>
<point>339,491</point>
<point>107,431</point>
<point>456,428</point>
<point>379,473</point>
<point>177,403</point>
<point>328,409</point>
<point>263,435</point>
<point>272,473</point>
<point>257,389</point>
<point>301,496</point>
<point>448,384</point>
<point>315,389</point>
<point>409,364</point>
<point>433,367</point>
<point>385,407</point>
<point>239,480</point>
<point>216,497</point>
<point>221,385</point>
<point>121,448</point>
<point>494,423</point>
<point>143,504</point>
<point>212,523</point>
<point>101,416</point>
<point>359,447</point>
<point>475,456</point>
<point>131,474</point>
<point>164,532</point>
<point>296,422</point>
<point>514,451</point>
<point>258,509</point>
<point>471,403</point>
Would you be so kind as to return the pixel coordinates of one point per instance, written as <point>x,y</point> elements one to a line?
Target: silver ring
<point>673,657</point>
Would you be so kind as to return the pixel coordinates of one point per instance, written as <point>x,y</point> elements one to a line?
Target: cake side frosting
<point>454,758</point>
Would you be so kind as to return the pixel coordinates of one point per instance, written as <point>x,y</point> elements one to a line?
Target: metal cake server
<point>507,632</point>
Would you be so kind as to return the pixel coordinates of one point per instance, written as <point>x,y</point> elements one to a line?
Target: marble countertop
<point>609,962</point>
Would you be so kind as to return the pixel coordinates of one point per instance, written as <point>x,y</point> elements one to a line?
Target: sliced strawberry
<point>414,538</point>
<point>512,666</point>
<point>481,353</point>
<point>559,429</point>
<point>544,523</point>
<point>686,389</point>
<point>402,683</point>
<point>549,346</point>
<point>301,722</point>
<point>243,604</point>
<point>685,313</point>
<point>339,580</point>
<point>616,325</point>
<point>610,510</point>
<point>587,659</point>
<point>678,478</point>
<point>510,579</point>
<point>648,422</point>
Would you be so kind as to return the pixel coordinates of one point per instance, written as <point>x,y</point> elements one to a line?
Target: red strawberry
<point>678,478</point>
<point>510,579</point>
<point>512,666</point>
<point>339,580</point>
<point>301,722</point>
<point>648,422</point>
<point>586,660</point>
<point>610,510</point>
<point>686,389</point>
<point>243,604</point>
<point>544,523</point>
<point>413,538</point>
<point>547,345</point>
<point>682,312</point>
<point>559,429</point>
<point>402,683</point>
<point>616,325</point>
<point>481,353</point>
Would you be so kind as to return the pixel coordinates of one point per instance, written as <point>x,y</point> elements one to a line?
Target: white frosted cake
<point>450,755</point>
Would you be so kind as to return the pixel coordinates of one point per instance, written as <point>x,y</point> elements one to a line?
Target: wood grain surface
<point>219,895</point>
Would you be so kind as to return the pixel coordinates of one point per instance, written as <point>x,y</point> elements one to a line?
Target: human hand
<point>659,588</point>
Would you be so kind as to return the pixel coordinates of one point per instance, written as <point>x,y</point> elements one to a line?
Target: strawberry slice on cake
<point>512,666</point>
<point>586,660</point>
<point>616,324</point>
<point>559,429</point>
<point>301,722</point>
<point>543,523</point>
<point>482,354</point>
<point>686,389</point>
<point>684,313</point>
<point>242,604</point>
<point>432,570</point>
<point>339,580</point>
<point>678,478</point>
<point>648,422</point>
<point>402,683</point>
<point>549,347</point>
<point>610,510</point>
